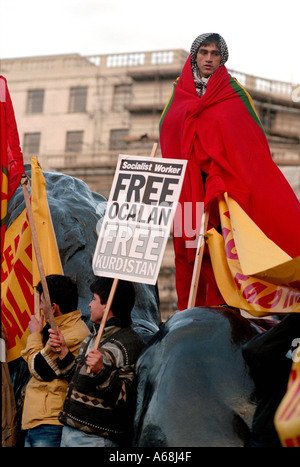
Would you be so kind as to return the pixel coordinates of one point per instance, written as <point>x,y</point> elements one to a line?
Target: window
<point>74,141</point>
<point>268,117</point>
<point>116,138</point>
<point>31,143</point>
<point>78,98</point>
<point>122,95</point>
<point>35,101</point>
<point>134,59</point>
<point>162,57</point>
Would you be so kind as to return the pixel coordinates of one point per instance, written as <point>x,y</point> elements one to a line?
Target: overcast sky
<point>263,36</point>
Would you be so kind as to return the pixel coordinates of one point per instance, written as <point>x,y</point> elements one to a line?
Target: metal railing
<point>175,57</point>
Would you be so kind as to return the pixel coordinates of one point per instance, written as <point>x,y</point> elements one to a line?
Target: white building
<point>77,113</point>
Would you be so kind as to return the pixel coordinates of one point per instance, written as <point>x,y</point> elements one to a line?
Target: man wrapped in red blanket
<point>210,121</point>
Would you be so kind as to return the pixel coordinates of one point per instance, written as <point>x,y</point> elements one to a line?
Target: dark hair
<point>123,301</point>
<point>63,291</point>
<point>212,39</point>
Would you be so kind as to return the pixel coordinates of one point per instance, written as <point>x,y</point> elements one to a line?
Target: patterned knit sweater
<point>103,404</point>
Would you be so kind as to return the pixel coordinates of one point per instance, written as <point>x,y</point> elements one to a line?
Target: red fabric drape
<point>12,166</point>
<point>221,135</point>
<point>10,144</point>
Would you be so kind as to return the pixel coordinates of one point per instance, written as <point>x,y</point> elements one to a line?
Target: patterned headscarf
<point>201,83</point>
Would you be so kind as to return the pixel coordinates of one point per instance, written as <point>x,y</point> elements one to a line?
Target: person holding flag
<point>99,407</point>
<point>210,120</point>
<point>46,390</point>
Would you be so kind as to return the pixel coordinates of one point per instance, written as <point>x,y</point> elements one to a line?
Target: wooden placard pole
<point>48,312</point>
<point>198,259</point>
<point>104,319</point>
<point>154,150</point>
<point>112,291</point>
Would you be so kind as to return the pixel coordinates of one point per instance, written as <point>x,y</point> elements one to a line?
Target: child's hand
<point>57,341</point>
<point>95,361</point>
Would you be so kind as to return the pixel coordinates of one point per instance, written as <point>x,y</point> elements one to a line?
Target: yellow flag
<point>251,271</point>
<point>18,273</point>
<point>257,253</point>
<point>43,224</point>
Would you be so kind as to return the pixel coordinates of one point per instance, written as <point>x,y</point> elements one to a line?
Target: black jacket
<point>103,404</point>
<point>269,358</point>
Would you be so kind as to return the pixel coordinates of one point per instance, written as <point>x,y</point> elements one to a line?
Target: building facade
<point>78,113</point>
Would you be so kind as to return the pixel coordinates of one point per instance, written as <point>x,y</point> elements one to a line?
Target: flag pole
<point>48,312</point>
<point>112,290</point>
<point>154,150</point>
<point>198,259</point>
<point>37,312</point>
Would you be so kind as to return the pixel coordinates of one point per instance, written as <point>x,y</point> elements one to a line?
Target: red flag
<point>12,166</point>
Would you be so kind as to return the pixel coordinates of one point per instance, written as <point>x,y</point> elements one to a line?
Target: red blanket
<point>221,135</point>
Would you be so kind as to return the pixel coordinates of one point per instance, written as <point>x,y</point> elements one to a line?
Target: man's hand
<point>57,341</point>
<point>95,361</point>
<point>35,325</point>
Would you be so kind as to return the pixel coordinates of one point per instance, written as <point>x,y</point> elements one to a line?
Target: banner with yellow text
<point>16,285</point>
<point>19,273</point>
<point>251,271</point>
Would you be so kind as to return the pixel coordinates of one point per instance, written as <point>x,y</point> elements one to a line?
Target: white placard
<point>138,217</point>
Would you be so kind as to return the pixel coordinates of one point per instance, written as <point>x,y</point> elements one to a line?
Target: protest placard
<point>138,217</point>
